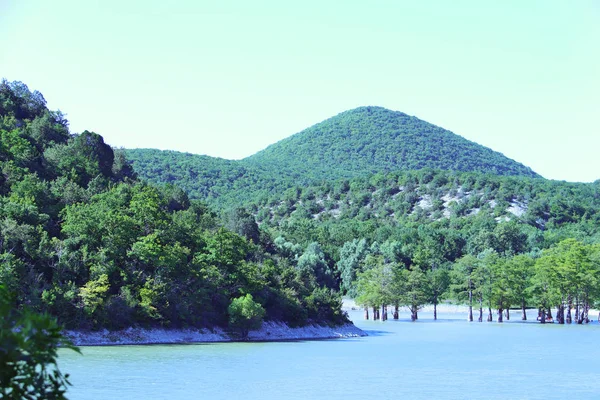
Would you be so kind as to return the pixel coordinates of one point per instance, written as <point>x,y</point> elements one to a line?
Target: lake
<point>445,359</point>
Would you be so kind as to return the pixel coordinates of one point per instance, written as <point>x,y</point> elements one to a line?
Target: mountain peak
<point>372,139</point>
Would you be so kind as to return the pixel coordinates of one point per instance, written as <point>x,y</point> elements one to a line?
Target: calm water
<point>445,359</point>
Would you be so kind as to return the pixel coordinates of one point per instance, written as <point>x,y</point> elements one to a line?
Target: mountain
<point>373,139</point>
<point>347,204</point>
<point>355,143</point>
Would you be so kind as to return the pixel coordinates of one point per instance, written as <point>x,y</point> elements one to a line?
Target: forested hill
<point>215,180</point>
<point>355,143</point>
<point>373,139</point>
<point>82,238</point>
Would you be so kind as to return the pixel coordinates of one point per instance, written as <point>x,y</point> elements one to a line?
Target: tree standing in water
<point>462,285</point>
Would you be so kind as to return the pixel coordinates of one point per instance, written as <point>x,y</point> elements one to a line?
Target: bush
<point>28,351</point>
<point>245,314</point>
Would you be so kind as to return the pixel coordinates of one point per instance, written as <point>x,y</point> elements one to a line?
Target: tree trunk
<point>524,310</point>
<point>396,313</point>
<point>480,309</point>
<point>582,315</point>
<point>560,313</point>
<point>549,317</point>
<point>500,315</point>
<point>375,316</point>
<point>366,313</point>
<point>490,318</point>
<point>508,314</point>
<point>383,313</point>
<point>435,308</point>
<point>587,313</point>
<point>577,309</point>
<point>543,316</point>
<point>470,317</point>
<point>413,314</point>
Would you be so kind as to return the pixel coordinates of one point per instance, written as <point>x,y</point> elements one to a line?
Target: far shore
<point>270,332</point>
<point>451,308</point>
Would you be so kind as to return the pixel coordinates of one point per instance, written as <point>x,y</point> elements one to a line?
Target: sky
<point>227,78</point>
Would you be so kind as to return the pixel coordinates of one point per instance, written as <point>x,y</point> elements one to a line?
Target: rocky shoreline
<point>270,331</point>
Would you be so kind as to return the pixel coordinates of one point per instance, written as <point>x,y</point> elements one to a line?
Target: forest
<point>420,237</point>
<point>493,235</point>
<point>83,239</point>
<point>356,143</point>
<point>111,238</point>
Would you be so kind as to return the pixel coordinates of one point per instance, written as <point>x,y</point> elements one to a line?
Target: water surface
<point>445,359</point>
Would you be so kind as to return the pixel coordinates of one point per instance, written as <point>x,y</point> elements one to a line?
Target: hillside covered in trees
<point>401,212</point>
<point>417,237</point>
<point>368,140</point>
<point>86,239</point>
<point>81,237</point>
<point>355,143</point>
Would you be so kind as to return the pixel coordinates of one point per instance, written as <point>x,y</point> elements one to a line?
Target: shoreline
<point>271,331</point>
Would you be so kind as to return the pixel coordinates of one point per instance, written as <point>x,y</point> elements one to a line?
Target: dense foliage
<point>336,196</point>
<point>217,181</point>
<point>83,239</point>
<point>355,143</point>
<point>369,140</point>
<point>245,314</point>
<point>414,238</point>
<point>29,344</point>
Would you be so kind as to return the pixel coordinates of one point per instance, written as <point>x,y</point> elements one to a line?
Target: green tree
<point>414,291</point>
<point>29,345</point>
<point>520,272</point>
<point>439,281</point>
<point>377,286</point>
<point>245,314</point>
<point>463,286</point>
<point>352,256</point>
<point>242,222</point>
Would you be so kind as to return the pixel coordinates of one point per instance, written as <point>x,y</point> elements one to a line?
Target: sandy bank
<point>270,331</point>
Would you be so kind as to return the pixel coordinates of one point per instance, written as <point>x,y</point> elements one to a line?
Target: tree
<point>501,288</point>
<point>414,290</point>
<point>463,286</point>
<point>242,222</point>
<point>312,261</point>
<point>544,289</point>
<point>376,286</point>
<point>245,314</point>
<point>28,354</point>
<point>520,271</point>
<point>485,278</point>
<point>439,281</point>
<point>352,256</point>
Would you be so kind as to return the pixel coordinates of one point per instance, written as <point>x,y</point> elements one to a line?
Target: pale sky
<point>227,78</point>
